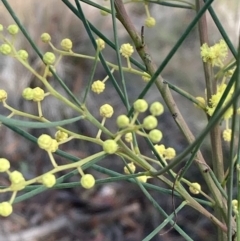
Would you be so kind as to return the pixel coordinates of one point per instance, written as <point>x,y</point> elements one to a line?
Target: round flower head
<point>146,78</point>
<point>100,44</point>
<point>48,180</point>
<point>45,142</point>
<point>201,101</point>
<point>98,86</point>
<point>150,122</point>
<point>140,105</point>
<point>110,146</point>
<point>215,54</point>
<point>156,108</point>
<point>128,137</point>
<point>3,95</point>
<point>106,111</point>
<point>87,181</point>
<point>38,94</point>
<point>54,146</point>
<point>142,178</point>
<point>61,136</point>
<point>16,177</point>
<point>23,54</point>
<point>195,188</point>
<point>150,22</point>
<point>4,165</point>
<point>169,153</point>
<point>5,209</point>
<point>49,58</point>
<point>13,29</point>
<point>227,135</point>
<point>130,166</point>
<point>27,93</point>
<point>206,53</point>
<point>122,121</point>
<point>228,114</point>
<point>5,49</point>
<point>160,149</point>
<point>66,44</point>
<point>17,180</point>
<point>126,50</point>
<point>46,38</point>
<point>155,135</point>
<point>235,204</point>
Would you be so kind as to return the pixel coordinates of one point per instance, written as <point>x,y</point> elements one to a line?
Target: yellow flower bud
<point>49,58</point>
<point>169,153</point>
<point>66,44</point>
<point>3,95</point>
<point>5,209</point>
<point>150,122</point>
<point>195,188</point>
<point>4,165</point>
<point>146,78</point>
<point>38,94</point>
<point>45,142</point>
<point>126,50</point>
<point>235,204</point>
<point>16,177</point>
<point>17,181</point>
<point>98,86</point>
<point>228,114</point>
<point>46,38</point>
<point>160,149</point>
<point>23,54</point>
<point>54,146</point>
<point>156,108</point>
<point>128,137</point>
<point>150,22</point>
<point>61,136</point>
<point>27,93</point>
<point>130,166</point>
<point>100,44</point>
<point>140,105</point>
<point>5,49</point>
<point>110,146</point>
<point>201,102</point>
<point>227,135</point>
<point>106,111</point>
<point>142,178</point>
<point>48,180</point>
<point>87,181</point>
<point>122,121</point>
<point>155,135</point>
<point>13,29</point>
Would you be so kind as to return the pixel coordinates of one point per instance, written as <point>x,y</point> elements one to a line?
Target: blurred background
<point>115,211</point>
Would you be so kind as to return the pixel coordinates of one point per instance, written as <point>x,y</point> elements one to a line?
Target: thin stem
<point>115,33</point>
